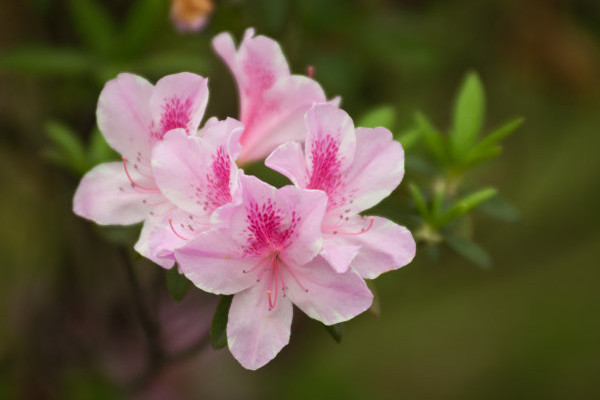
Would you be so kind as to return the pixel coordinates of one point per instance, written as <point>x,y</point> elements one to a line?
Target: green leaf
<point>419,199</point>
<point>433,139</point>
<point>218,329</point>
<point>177,284</point>
<point>380,116</point>
<point>46,61</point>
<point>499,208</point>
<point>143,22</point>
<point>470,250</point>
<point>464,205</point>
<point>94,25</point>
<point>98,150</point>
<point>409,139</point>
<point>336,331</point>
<point>67,149</point>
<point>172,61</point>
<point>482,156</point>
<point>438,197</point>
<point>469,111</point>
<point>496,136</point>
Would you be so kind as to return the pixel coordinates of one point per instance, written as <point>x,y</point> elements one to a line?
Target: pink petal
<point>288,160</point>
<point>339,256</point>
<point>330,145</point>
<point>178,101</point>
<point>256,334</point>
<point>384,247</point>
<point>377,169</point>
<point>272,102</point>
<point>105,195</point>
<point>215,263</point>
<point>325,295</point>
<point>144,245</point>
<point>198,174</point>
<point>124,117</point>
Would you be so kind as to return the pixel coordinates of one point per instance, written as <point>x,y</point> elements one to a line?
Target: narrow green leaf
<point>470,250</point>
<point>45,61</point>
<point>94,25</point>
<point>497,135</point>
<point>336,331</point>
<point>143,22</point>
<point>482,156</point>
<point>438,198</point>
<point>98,150</point>
<point>434,140</point>
<point>67,149</point>
<point>380,116</point>
<point>419,199</point>
<point>420,165</point>
<point>469,111</point>
<point>218,329</point>
<point>409,139</point>
<point>464,205</point>
<point>177,284</point>
<point>499,208</point>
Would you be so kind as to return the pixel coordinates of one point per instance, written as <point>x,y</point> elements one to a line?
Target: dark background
<point>528,328</point>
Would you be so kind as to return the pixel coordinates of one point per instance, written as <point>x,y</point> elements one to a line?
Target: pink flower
<point>265,251</point>
<point>272,101</point>
<point>357,169</point>
<point>137,118</point>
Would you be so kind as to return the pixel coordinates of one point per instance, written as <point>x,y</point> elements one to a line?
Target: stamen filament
<point>363,230</point>
<point>133,182</point>
<point>175,232</point>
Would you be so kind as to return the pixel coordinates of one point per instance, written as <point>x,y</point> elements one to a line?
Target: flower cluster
<point>229,233</point>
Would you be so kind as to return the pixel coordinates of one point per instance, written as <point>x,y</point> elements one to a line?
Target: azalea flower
<point>357,169</point>
<point>272,101</point>
<point>135,117</point>
<point>265,251</point>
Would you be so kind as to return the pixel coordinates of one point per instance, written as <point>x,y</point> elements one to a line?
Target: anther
<point>310,71</point>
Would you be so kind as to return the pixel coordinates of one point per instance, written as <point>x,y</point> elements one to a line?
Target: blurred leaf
<point>434,140</point>
<point>499,208</point>
<point>419,164</point>
<point>67,150</point>
<point>171,61</point>
<point>177,284</point>
<point>464,205</point>
<point>469,110</point>
<point>376,306</point>
<point>45,61</point>
<point>218,329</point>
<point>99,151</point>
<point>438,197</point>
<point>142,24</point>
<point>496,136</point>
<point>94,25</point>
<point>470,250</point>
<point>379,116</point>
<point>409,138</point>
<point>336,331</point>
<point>482,156</point>
<point>419,199</point>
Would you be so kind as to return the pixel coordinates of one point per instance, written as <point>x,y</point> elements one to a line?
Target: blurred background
<point>70,321</point>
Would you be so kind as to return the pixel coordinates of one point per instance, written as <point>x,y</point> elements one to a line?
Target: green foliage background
<point>527,328</point>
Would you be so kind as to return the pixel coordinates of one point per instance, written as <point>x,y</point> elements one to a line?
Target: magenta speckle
<point>269,229</point>
<point>326,165</point>
<point>218,190</point>
<point>176,113</point>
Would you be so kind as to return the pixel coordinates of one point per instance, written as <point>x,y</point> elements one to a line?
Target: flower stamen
<point>133,183</point>
<point>175,232</point>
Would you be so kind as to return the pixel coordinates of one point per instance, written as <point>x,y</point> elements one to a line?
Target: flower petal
<point>144,245</point>
<point>198,174</point>
<point>124,117</point>
<point>256,334</point>
<point>384,247</point>
<point>288,160</point>
<point>178,101</point>
<point>215,263</point>
<point>272,102</point>
<point>325,295</point>
<point>377,169</point>
<point>106,196</point>
<point>339,256</point>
